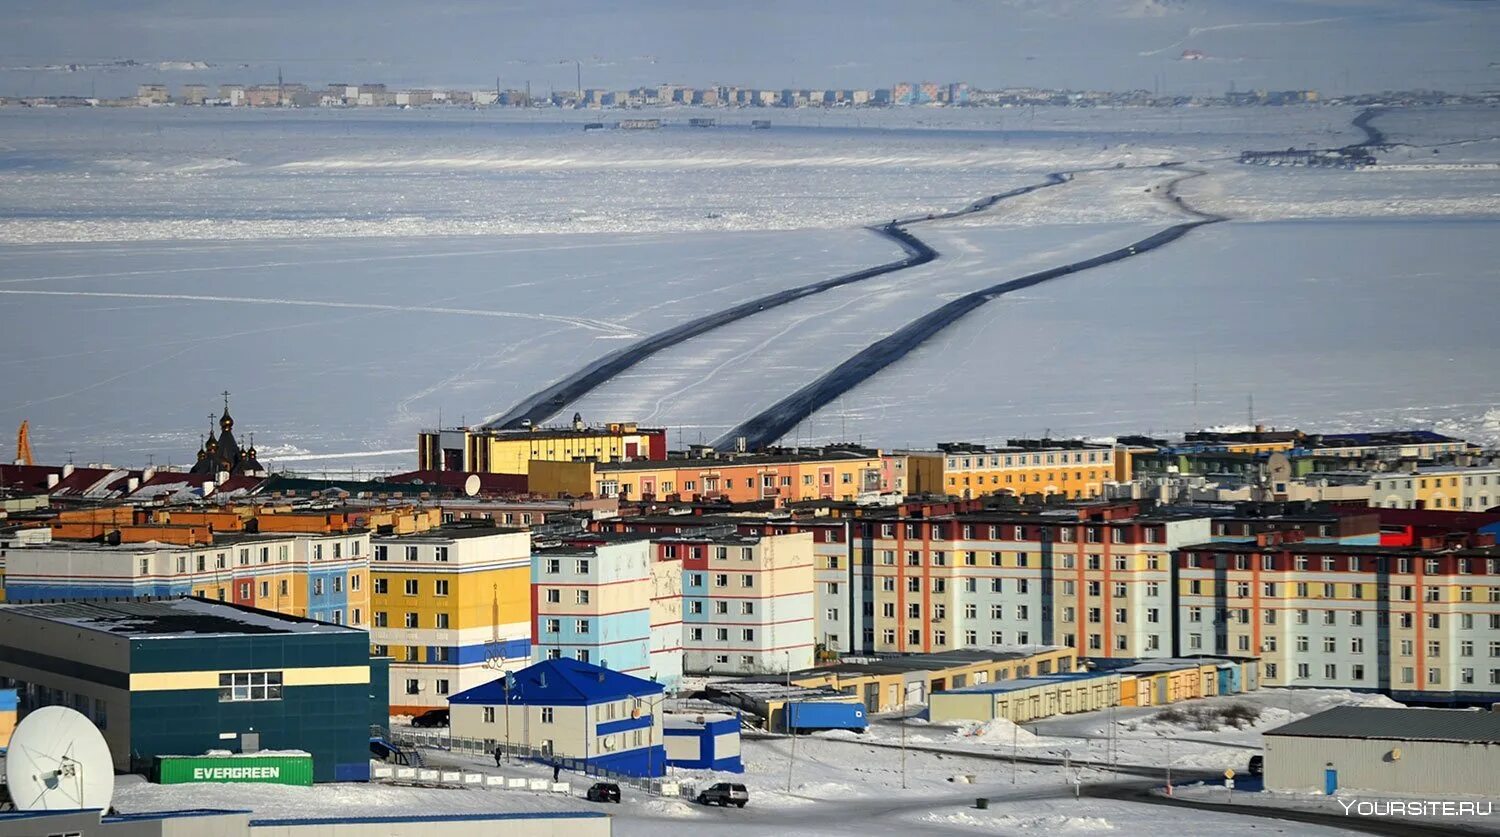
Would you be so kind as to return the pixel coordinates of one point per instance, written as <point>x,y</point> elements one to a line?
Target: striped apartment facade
<point>747,604</point>
<point>1095,579</point>
<point>316,576</point>
<point>592,603</point>
<point>446,603</point>
<point>1421,624</point>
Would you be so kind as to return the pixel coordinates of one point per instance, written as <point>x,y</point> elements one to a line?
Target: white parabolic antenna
<point>58,761</point>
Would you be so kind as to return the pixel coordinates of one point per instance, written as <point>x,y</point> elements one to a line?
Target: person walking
<point>555,772</point>
<point>499,751</point>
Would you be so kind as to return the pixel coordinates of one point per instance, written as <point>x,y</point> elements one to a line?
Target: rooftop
<point>560,682</point>
<point>450,532</point>
<point>739,460</point>
<point>1458,725</point>
<point>165,618</point>
<point>1028,682</point>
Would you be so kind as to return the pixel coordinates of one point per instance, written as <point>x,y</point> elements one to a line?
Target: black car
<point>431,718</point>
<point>603,792</point>
<point>724,793</point>
<point>1257,765</point>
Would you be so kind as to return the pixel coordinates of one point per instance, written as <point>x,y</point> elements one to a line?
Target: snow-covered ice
<point>349,275</point>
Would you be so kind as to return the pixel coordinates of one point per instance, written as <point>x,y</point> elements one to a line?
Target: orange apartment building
<point>834,473</point>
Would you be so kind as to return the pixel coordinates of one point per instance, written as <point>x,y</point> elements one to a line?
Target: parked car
<point>724,793</point>
<point>1257,765</point>
<point>603,792</point>
<point>431,718</point>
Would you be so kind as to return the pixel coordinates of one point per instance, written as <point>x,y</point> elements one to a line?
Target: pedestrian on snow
<point>498,753</point>
<point>555,770</point>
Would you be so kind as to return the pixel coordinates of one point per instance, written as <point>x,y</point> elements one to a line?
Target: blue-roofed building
<point>569,710</point>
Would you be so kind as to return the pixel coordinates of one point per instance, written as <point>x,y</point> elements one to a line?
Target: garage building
<point>1408,751</point>
<point>189,675</point>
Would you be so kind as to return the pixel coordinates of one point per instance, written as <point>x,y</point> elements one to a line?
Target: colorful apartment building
<point>1072,469</point>
<point>1094,578</point>
<point>747,603</point>
<point>323,576</point>
<point>451,606</point>
<point>833,630</point>
<point>1421,624</point>
<point>790,475</point>
<point>1472,488</point>
<point>495,451</point>
<point>592,603</point>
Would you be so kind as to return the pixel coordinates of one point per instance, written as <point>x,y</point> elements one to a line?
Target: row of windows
<point>1015,460</point>
<point>1357,590</point>
<point>410,586</point>
<point>1015,478</point>
<point>412,620</point>
<point>995,532</point>
<point>1437,482</point>
<point>1349,563</point>
<point>1407,674</point>
<point>939,558</point>
<point>1356,618</point>
<point>383,553</point>
<point>694,580</point>
<point>721,634</point>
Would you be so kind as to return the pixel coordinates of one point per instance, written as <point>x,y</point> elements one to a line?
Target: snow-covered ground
<point>348,275</point>
<point>836,787</point>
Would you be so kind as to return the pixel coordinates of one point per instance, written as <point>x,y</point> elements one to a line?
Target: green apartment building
<point>185,676</point>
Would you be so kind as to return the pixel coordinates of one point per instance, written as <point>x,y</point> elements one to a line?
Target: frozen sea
<point>353,276</point>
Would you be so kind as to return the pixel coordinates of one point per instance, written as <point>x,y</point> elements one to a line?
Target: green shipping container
<point>273,770</point>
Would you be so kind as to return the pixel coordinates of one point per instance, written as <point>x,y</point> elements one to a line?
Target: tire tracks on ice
<point>546,403</point>
<point>777,420</point>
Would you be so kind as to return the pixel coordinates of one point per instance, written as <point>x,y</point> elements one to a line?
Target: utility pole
<point>791,762</point>
<point>1015,731</point>
<point>903,736</point>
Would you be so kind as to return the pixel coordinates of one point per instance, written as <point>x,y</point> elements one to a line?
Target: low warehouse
<point>1409,751</point>
<point>1029,699</point>
<point>187,675</point>
<point>703,742</point>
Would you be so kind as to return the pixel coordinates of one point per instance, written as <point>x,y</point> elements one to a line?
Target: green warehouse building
<point>185,676</point>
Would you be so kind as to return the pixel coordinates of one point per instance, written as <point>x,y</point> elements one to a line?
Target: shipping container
<point>816,715</point>
<point>287,769</point>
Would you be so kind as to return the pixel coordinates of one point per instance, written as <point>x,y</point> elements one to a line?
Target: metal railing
<point>484,747</point>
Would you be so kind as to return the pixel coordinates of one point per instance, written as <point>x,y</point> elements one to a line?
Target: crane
<point>23,445</point>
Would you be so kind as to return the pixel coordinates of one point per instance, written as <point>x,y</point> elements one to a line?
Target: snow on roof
<point>164,618</point>
<point>560,682</point>
<point>1458,725</point>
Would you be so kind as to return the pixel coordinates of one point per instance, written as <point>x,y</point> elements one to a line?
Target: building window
<point>582,626</point>
<point>411,553</point>
<point>547,714</point>
<point>413,687</point>
<point>442,687</point>
<point>411,587</point>
<point>249,685</point>
<point>440,587</point>
<point>441,555</point>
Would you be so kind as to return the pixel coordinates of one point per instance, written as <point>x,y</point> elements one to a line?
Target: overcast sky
<point>1332,45</point>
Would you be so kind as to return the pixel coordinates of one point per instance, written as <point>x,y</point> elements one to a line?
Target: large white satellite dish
<point>58,761</point>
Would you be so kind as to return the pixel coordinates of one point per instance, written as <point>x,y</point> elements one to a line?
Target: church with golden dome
<point>222,454</point>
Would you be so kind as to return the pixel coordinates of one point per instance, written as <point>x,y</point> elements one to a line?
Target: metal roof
<point>1461,725</point>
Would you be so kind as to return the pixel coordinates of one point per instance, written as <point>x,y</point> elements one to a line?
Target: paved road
<point>774,422</point>
<point>542,405</point>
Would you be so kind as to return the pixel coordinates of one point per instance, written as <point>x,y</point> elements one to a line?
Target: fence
<point>484,747</point>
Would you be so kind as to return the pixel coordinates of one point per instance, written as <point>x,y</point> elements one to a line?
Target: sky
<point>1334,46</point>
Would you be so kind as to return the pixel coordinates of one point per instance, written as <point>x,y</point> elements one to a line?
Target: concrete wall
<point>550,824</point>
<point>1423,767</point>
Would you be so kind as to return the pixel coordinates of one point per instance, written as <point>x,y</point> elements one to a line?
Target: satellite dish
<point>471,485</point>
<point>58,761</point>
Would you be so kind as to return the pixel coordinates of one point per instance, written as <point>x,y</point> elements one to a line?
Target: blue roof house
<point>571,711</point>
